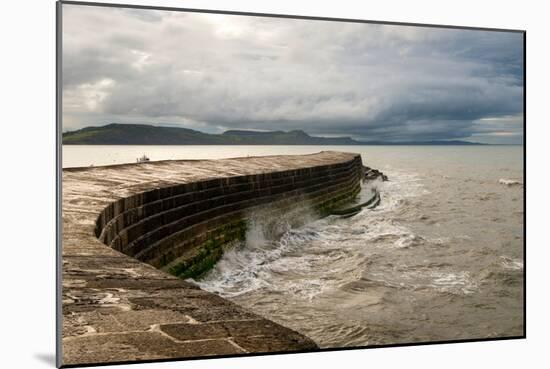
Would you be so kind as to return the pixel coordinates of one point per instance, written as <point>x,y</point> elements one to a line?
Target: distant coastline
<point>143,134</point>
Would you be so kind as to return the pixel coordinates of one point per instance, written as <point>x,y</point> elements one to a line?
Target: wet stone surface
<point>118,309</point>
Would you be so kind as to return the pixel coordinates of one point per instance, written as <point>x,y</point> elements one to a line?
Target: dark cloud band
<point>214,72</point>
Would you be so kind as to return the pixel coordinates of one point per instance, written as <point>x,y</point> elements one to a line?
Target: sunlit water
<point>441,258</point>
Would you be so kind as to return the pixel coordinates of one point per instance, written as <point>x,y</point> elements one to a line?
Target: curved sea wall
<point>172,218</point>
<point>181,229</point>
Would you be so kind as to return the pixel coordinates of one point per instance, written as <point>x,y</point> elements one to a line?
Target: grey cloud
<point>374,82</point>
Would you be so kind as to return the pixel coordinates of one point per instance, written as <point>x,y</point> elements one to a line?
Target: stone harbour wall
<point>129,231</point>
<point>181,229</point>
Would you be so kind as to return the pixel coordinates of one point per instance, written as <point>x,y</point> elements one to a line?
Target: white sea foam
<point>510,182</point>
<point>453,282</point>
<point>511,263</point>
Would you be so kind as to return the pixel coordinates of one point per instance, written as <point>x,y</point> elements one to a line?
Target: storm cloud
<point>214,72</point>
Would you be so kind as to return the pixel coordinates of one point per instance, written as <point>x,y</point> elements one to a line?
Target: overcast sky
<point>215,72</point>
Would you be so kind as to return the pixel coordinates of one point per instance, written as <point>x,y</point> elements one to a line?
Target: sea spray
<point>271,232</point>
<point>279,242</point>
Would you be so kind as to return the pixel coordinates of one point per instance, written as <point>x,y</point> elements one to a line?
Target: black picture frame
<point>58,216</point>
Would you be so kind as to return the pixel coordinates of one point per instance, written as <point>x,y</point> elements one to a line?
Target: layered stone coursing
<point>182,228</point>
<point>175,217</point>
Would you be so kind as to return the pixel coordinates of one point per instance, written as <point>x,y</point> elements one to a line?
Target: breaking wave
<point>325,254</point>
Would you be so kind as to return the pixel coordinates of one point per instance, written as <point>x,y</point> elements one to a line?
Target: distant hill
<point>283,138</point>
<point>423,143</point>
<point>143,134</point>
<point>138,134</point>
